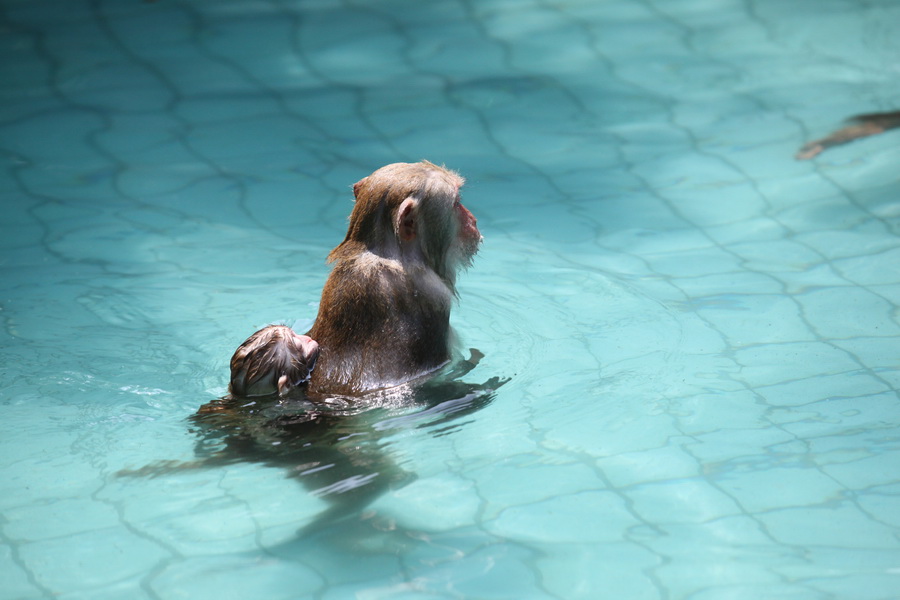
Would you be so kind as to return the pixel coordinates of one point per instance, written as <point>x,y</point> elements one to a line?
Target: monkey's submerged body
<point>384,316</point>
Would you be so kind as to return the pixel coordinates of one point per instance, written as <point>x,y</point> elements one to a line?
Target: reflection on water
<point>336,447</point>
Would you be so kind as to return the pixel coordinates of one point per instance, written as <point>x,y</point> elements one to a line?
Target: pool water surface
<point>701,334</point>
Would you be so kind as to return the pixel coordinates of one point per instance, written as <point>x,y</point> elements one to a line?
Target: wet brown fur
<point>384,316</point>
<point>268,362</point>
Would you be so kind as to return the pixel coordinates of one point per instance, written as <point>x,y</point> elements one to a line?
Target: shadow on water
<point>336,447</point>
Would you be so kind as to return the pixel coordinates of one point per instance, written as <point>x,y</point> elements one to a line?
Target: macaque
<point>272,360</point>
<point>384,317</point>
<point>863,126</point>
<point>383,331</point>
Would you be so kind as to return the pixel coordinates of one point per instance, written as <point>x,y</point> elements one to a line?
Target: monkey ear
<point>406,220</point>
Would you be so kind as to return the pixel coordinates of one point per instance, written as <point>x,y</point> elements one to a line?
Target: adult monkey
<point>384,317</point>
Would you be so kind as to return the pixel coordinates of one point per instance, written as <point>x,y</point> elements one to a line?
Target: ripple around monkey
<point>384,317</point>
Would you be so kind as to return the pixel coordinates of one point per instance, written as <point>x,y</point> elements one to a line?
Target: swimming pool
<point>702,334</point>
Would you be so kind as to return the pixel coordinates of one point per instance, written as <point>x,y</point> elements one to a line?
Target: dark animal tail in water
<point>862,126</point>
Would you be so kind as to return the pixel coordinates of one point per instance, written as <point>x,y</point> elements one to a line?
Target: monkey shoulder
<point>368,274</point>
<point>380,275</point>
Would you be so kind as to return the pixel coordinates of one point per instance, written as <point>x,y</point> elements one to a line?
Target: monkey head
<point>414,211</point>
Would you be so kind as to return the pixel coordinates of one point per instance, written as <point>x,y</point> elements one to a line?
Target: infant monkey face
<point>273,360</point>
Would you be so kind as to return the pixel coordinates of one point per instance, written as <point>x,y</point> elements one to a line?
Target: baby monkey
<point>275,359</point>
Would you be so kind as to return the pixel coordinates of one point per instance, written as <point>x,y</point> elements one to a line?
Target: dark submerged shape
<point>861,126</point>
<point>340,450</point>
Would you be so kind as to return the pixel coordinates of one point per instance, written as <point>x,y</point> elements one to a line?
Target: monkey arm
<point>863,126</point>
<point>460,368</point>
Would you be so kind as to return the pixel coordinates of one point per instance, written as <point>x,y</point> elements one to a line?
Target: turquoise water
<point>702,334</point>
